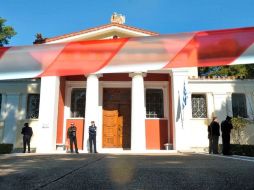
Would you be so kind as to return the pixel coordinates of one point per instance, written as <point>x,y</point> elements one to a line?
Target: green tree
<point>234,70</point>
<point>6,32</point>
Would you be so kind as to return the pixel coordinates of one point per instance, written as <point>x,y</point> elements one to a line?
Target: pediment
<point>102,32</point>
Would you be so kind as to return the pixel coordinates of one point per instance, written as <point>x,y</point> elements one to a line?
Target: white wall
<point>13,111</point>
<point>181,129</point>
<point>218,94</point>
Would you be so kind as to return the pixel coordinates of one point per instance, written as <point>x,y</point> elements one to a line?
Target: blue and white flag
<point>185,96</point>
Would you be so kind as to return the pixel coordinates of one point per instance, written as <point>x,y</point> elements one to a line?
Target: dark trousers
<point>226,144</point>
<point>210,145</point>
<point>73,140</point>
<point>92,140</point>
<point>215,142</point>
<point>26,142</point>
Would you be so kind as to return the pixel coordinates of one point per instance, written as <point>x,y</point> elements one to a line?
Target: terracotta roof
<point>99,28</point>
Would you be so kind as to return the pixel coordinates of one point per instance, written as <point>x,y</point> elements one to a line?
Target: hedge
<point>6,148</point>
<point>242,150</point>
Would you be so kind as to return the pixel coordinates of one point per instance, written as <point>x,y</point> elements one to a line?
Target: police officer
<point>92,136</point>
<point>226,127</point>
<point>72,135</point>
<point>27,134</point>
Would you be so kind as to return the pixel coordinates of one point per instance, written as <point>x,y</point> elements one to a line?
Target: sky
<point>57,17</point>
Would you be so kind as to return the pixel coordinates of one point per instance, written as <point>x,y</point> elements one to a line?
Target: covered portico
<point>117,104</point>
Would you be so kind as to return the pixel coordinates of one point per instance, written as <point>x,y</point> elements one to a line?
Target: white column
<point>92,109</point>
<point>48,113</point>
<point>10,118</point>
<point>180,116</point>
<point>138,130</point>
<point>229,110</point>
<point>249,104</point>
<point>220,105</point>
<point>210,106</point>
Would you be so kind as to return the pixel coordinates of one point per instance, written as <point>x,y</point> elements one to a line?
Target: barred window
<point>33,102</point>
<point>78,102</point>
<point>154,103</point>
<point>239,105</point>
<point>199,107</point>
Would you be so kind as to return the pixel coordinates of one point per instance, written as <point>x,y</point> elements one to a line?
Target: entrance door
<point>116,117</point>
<point>110,126</point>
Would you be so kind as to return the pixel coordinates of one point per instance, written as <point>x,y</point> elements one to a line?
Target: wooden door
<point>116,127</point>
<point>110,126</point>
<point>125,113</point>
<point>120,131</point>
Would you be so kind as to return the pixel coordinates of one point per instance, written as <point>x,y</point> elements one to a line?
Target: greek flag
<point>184,100</point>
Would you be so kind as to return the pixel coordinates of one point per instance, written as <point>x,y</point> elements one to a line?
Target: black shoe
<point>77,152</point>
<point>95,152</point>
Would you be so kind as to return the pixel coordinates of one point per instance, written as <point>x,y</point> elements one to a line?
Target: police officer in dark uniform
<point>72,135</point>
<point>226,127</point>
<point>27,134</point>
<point>92,136</point>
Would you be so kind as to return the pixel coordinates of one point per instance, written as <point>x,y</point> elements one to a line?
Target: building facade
<point>134,112</point>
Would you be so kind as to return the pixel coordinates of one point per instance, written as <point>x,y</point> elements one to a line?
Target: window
<point>78,102</point>
<point>33,102</point>
<point>0,102</point>
<point>239,105</point>
<point>154,103</point>
<point>199,107</point>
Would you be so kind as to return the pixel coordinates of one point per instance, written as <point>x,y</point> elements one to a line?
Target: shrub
<point>6,148</point>
<point>239,124</point>
<point>242,150</point>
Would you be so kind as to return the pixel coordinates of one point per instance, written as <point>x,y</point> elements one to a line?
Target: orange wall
<point>79,123</point>
<point>60,118</point>
<point>156,133</point>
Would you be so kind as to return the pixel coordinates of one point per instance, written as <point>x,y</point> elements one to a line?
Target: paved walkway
<point>112,171</point>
